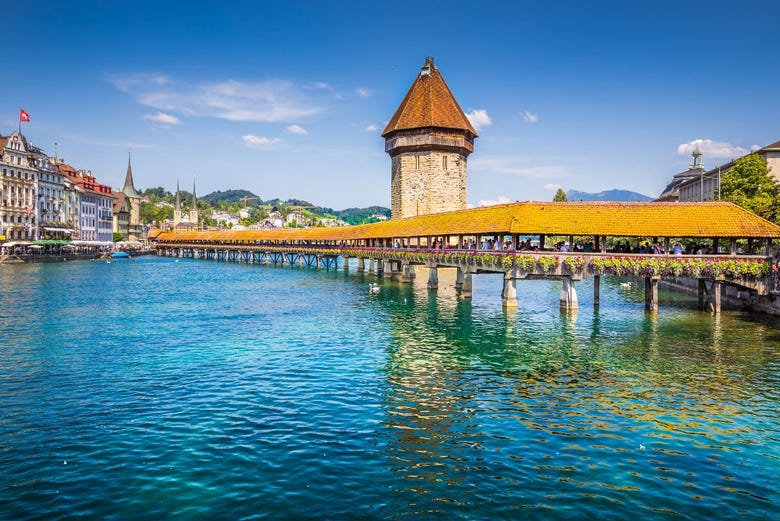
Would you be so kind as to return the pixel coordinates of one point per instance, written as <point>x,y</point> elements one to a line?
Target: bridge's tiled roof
<point>429,104</point>
<point>702,220</point>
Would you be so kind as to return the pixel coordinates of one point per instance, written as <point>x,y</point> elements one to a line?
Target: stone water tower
<point>428,139</point>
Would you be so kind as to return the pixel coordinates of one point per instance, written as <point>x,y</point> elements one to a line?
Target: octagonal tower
<point>428,139</point>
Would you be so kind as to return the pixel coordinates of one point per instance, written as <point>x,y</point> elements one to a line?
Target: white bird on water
<point>625,285</point>
<point>373,287</point>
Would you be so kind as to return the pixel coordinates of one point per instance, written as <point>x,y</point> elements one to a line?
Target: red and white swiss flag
<point>24,116</point>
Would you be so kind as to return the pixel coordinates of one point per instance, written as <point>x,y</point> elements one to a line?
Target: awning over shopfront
<point>50,242</point>
<point>67,231</point>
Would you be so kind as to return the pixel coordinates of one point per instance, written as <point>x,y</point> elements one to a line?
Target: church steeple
<point>194,211</point>
<point>129,188</point>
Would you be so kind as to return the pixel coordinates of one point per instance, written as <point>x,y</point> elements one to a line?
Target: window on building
<point>444,162</point>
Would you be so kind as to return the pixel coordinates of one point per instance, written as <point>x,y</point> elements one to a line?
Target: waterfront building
<point>95,204</point>
<point>72,192</point>
<point>695,171</point>
<point>186,220</point>
<point>706,185</point>
<point>52,220</point>
<point>121,217</point>
<point>429,139</point>
<point>18,189</point>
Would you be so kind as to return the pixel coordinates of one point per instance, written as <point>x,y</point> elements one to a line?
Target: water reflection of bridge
<point>524,232</point>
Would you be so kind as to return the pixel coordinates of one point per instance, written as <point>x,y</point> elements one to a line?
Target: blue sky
<point>287,98</point>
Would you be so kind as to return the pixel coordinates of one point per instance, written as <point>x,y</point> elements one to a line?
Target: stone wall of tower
<point>426,182</point>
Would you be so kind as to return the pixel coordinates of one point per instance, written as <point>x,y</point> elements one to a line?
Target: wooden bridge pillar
<point>371,267</point>
<point>459,278</point>
<point>596,290</point>
<point>407,272</point>
<point>711,299</point>
<point>346,263</point>
<point>717,286</point>
<point>568,296</point>
<point>465,289</point>
<point>509,295</point>
<point>387,269</point>
<point>361,262</point>
<point>433,277</point>
<point>651,293</point>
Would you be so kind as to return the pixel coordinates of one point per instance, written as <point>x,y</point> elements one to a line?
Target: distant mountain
<point>608,195</point>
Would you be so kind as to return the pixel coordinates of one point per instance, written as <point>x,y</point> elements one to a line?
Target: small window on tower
<point>444,162</point>
<point>416,162</point>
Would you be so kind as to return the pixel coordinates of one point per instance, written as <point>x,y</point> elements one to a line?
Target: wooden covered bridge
<point>714,243</point>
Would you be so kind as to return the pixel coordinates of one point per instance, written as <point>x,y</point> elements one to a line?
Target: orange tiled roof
<point>429,103</point>
<point>702,220</point>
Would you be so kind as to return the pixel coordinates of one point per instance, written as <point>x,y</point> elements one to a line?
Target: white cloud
<point>479,118</point>
<point>362,93</point>
<point>321,85</point>
<point>269,101</point>
<point>552,186</point>
<point>529,117</point>
<point>710,148</point>
<point>372,128</point>
<point>163,119</point>
<point>297,129</point>
<point>560,168</point>
<point>253,141</point>
<point>502,199</point>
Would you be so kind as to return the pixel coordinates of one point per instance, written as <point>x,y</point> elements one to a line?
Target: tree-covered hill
<point>231,197</point>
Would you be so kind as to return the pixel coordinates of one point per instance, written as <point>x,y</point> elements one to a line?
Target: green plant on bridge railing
<point>695,268</point>
<point>574,264</point>
<point>548,264</point>
<point>508,261</point>
<point>624,266</point>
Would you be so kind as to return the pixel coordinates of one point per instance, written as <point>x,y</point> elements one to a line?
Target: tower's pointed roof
<point>129,188</point>
<point>429,103</point>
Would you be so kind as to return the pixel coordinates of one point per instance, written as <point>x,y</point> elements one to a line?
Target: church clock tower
<point>428,140</point>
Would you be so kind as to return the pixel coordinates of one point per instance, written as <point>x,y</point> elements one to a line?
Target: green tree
<point>560,196</point>
<point>118,237</point>
<point>156,194</point>
<point>748,184</point>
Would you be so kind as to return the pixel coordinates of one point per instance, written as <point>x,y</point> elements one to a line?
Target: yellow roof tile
<point>713,219</point>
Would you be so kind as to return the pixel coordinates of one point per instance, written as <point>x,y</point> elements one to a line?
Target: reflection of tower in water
<point>436,376</point>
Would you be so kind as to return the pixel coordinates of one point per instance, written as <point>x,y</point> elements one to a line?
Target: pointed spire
<point>178,197</point>
<point>429,103</point>
<point>194,197</point>
<point>129,188</point>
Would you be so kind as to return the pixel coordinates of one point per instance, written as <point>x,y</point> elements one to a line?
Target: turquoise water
<point>162,389</point>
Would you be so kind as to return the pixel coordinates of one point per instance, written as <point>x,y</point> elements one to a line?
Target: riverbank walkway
<point>713,243</point>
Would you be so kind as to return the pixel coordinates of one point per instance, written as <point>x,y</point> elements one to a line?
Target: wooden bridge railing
<point>749,271</point>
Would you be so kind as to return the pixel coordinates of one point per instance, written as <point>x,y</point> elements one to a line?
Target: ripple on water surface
<point>197,389</point>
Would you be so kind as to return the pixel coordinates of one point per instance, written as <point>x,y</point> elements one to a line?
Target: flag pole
<point>20,119</point>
